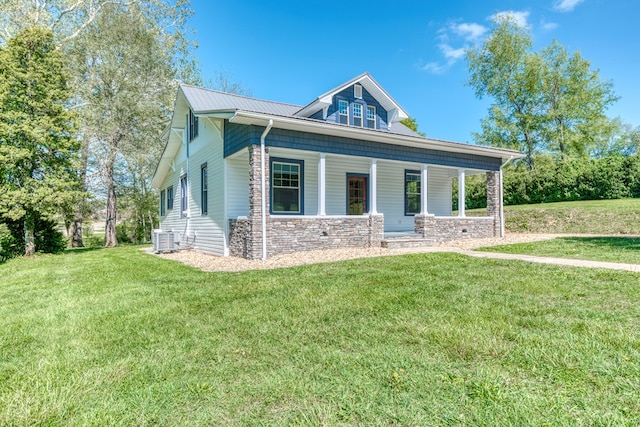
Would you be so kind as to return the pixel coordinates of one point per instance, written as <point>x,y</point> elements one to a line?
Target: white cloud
<point>435,68</point>
<point>566,5</point>
<point>456,33</point>
<point>519,18</point>
<point>548,26</point>
<point>451,53</point>
<point>470,32</point>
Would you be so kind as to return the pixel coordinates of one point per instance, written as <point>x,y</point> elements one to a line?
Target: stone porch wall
<point>294,234</point>
<point>442,229</point>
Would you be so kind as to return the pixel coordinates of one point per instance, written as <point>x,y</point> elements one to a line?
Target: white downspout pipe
<point>502,198</point>
<point>263,190</point>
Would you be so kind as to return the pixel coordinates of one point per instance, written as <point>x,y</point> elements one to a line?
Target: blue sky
<point>293,51</point>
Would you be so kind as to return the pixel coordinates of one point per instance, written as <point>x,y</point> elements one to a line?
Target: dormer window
<point>357,91</point>
<point>371,116</point>
<point>343,111</point>
<point>357,114</point>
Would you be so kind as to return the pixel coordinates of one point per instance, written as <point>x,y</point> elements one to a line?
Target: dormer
<point>360,102</point>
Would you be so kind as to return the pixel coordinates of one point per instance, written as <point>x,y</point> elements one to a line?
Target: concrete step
<point>407,242</point>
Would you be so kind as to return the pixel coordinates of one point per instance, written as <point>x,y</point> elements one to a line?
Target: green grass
<point>119,337</point>
<point>620,216</point>
<point>613,249</point>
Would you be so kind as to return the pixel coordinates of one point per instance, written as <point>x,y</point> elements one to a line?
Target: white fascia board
<point>306,125</point>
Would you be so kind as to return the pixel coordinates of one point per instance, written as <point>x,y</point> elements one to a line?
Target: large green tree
<point>544,102</point>
<point>37,145</point>
<point>105,72</point>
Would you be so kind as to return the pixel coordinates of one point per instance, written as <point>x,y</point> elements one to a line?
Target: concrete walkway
<point>557,261</point>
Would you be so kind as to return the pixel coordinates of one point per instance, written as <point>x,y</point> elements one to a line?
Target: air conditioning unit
<point>164,241</point>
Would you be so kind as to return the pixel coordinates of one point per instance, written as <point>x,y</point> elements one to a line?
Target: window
<point>343,111</point>
<point>204,188</point>
<point>286,186</point>
<point>357,114</point>
<point>412,191</point>
<point>371,116</point>
<point>184,201</point>
<point>170,198</point>
<point>162,205</point>
<point>357,91</point>
<point>193,126</point>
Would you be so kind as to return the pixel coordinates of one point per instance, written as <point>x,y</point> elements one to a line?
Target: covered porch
<point>317,200</point>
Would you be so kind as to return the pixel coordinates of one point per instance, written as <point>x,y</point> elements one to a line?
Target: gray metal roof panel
<point>207,100</point>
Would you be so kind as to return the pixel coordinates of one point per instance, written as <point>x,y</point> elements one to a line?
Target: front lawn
<point>613,249</point>
<point>119,337</point>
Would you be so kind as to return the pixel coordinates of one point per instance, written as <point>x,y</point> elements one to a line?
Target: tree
<point>543,102</point>
<point>38,150</point>
<point>412,124</point>
<point>71,21</point>
<point>128,87</point>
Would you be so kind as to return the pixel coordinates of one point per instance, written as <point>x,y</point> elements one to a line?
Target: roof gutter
<point>263,189</point>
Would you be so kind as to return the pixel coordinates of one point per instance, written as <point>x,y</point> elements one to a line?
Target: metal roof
<point>207,100</point>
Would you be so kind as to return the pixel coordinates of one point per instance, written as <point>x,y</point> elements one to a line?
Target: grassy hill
<point>620,216</point>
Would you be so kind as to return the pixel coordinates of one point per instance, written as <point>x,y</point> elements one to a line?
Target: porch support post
<point>373,176</point>
<point>461,195</point>
<point>423,191</point>
<point>322,175</point>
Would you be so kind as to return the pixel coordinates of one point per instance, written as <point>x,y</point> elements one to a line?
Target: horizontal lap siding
<point>391,195</point>
<point>337,169</point>
<point>172,221</point>
<point>238,185</point>
<point>439,191</point>
<point>208,229</point>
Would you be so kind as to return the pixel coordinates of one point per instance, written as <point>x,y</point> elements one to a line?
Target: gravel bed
<point>216,263</point>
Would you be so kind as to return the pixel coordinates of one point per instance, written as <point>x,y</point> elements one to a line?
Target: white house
<point>246,177</point>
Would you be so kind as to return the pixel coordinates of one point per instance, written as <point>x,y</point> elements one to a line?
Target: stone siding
<point>294,234</point>
<point>442,229</point>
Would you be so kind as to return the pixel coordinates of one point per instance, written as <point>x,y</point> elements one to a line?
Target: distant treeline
<point>553,180</point>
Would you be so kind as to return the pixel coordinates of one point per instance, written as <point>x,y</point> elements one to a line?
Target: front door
<point>356,195</point>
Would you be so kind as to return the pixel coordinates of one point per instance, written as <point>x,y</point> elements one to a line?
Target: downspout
<point>263,189</point>
<point>502,198</point>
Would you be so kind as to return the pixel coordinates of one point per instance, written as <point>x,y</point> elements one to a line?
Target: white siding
<point>238,185</point>
<point>206,231</point>
<point>391,195</point>
<point>336,186</point>
<point>439,191</point>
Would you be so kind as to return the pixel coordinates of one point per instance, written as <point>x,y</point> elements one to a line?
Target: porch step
<point>406,242</point>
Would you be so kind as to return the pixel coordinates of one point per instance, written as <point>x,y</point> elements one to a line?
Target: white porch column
<point>423,191</point>
<point>322,179</point>
<point>461,190</point>
<point>373,177</point>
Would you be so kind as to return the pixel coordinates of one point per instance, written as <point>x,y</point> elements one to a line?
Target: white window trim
<point>361,117</point>
<point>299,187</point>
<point>357,91</point>
<point>340,114</point>
<point>374,116</point>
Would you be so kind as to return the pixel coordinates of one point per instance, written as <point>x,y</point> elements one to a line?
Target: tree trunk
<point>29,236</point>
<point>76,239</point>
<point>110,239</point>
<point>76,233</point>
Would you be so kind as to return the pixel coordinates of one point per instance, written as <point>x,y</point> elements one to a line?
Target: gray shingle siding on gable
<point>238,137</point>
<point>367,99</point>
